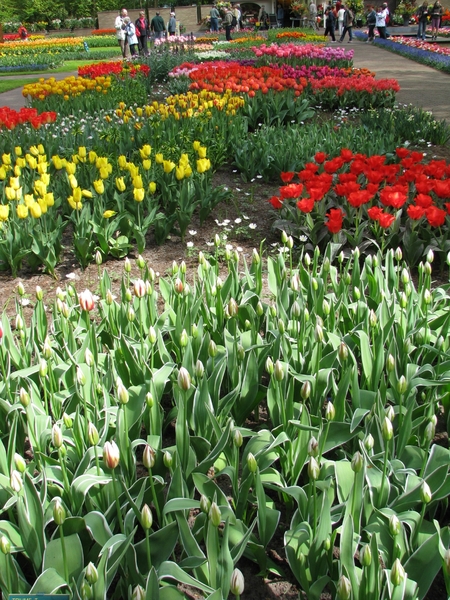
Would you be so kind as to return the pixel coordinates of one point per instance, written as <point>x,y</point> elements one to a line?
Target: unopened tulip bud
<point>295,282</point>
<point>307,260</point>
<point>93,434</point>
<point>140,289</point>
<point>111,454</point>
<point>146,517</point>
<point>19,323</point>
<point>57,438</point>
<point>369,261</point>
<point>373,319</point>
<point>390,363</point>
<point>315,284</point>
<point>59,512</point>
<point>397,573</point>
<point>24,397</point>
<point>5,545</point>
<point>269,365</point>
<point>152,334</point>
<point>91,574</point>
<point>149,457</point>
<point>296,311</point>
<point>237,583</point>
<point>205,504</point>
<point>131,315</point>
<point>305,390</point>
<point>430,431</point>
<point>240,352</point>
<point>425,493</point>
<point>394,525</point>
<point>330,412</point>
<point>403,300</point>
<point>15,481</point>
<point>405,276</point>
<point>215,516</point>
<point>281,326</point>
<point>387,430</point>
<point>447,561</point>
<point>365,556</point>
<point>356,293</point>
<point>167,459</point>
<point>178,286</point>
<point>290,242</point>
<point>313,447</point>
<point>86,300</point>
<point>369,442</point>
<point>284,237</point>
<point>109,298</point>
<point>430,256</point>
<point>20,289</point>
<point>278,371</point>
<point>251,463</point>
<point>390,413</point>
<point>259,309</point>
<point>344,588</point>
<point>19,463</point>
<point>327,544</point>
<point>85,590</point>
<point>39,293</point>
<point>184,379</point>
<point>427,297</point>
<point>402,385</point>
<point>81,378</point>
<point>238,440</point>
<point>325,307</point>
<point>343,351</point>
<point>427,268</point>
<point>313,469</point>
<point>357,462</point>
<point>212,349</point>
<point>127,265</point>
<point>138,593</point>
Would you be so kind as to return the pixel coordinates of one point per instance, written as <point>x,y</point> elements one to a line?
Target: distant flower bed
<point>18,68</point>
<point>112,68</point>
<point>421,45</point>
<point>103,31</point>
<point>10,118</point>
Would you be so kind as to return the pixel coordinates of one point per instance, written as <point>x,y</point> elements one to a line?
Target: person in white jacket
<point>340,20</point>
<point>119,26</point>
<point>131,37</point>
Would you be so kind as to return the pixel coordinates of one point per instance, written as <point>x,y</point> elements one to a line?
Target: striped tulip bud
<point>278,371</point>
<point>111,455</point>
<point>402,385</point>
<point>305,391</point>
<point>269,365</point>
<point>215,516</point>
<point>59,512</point>
<point>238,440</point>
<point>57,437</point>
<point>251,463</point>
<point>19,463</point>
<point>369,442</point>
<point>365,556</point>
<point>146,517</point>
<point>330,411</point>
<point>184,379</point>
<point>212,349</point>
<point>205,504</point>
<point>184,339</point>
<point>5,545</point>
<point>24,397</point>
<point>387,430</point>
<point>237,583</point>
<point>139,288</point>
<point>138,593</point>
<point>152,334</point>
<point>344,588</point>
<point>357,462</point>
<point>127,265</point>
<point>425,493</point>
<point>122,392</point>
<point>233,308</point>
<point>394,525</point>
<point>15,481</point>
<point>91,574</point>
<point>313,447</point>
<point>93,434</point>
<point>313,469</point>
<point>199,369</point>
<point>86,300</point>
<point>397,573</point>
<point>149,457</point>
<point>167,459</point>
<point>343,351</point>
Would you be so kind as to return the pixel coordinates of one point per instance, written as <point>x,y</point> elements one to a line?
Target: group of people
<point>432,13</point>
<point>135,35</point>
<point>339,17</point>
<point>232,20</point>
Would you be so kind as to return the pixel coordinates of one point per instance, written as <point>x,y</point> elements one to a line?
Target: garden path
<point>420,85</point>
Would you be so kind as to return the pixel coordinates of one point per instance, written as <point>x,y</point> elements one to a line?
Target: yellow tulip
<point>4,212</point>
<point>75,159</point>
<point>133,170</point>
<point>70,168</point>
<point>196,145</point>
<point>40,187</point>
<point>17,171</point>
<point>202,165</point>
<point>184,160</point>
<point>31,160</point>
<point>35,210</point>
<point>169,166</point>
<point>188,171</point>
<point>45,178</point>
<point>159,158</point>
<point>73,204</point>
<point>49,199</point>
<point>109,213</point>
<point>18,151</point>
<point>42,168</point>
<point>22,211</point>
<point>137,182</point>
<point>29,199</point>
<point>92,157</point>
<point>146,164</point>
<point>42,158</point>
<point>152,187</point>
<point>104,172</point>
<point>139,111</point>
<point>138,194</point>
<point>98,186</point>
<point>87,194</point>
<point>73,181</point>
<point>179,173</point>
<point>41,149</point>
<point>14,183</point>
<point>34,150</point>
<point>77,194</point>
<point>101,161</point>
<point>202,152</point>
<point>18,194</point>
<point>120,184</point>
<point>42,203</point>
<point>122,161</point>
<point>10,193</point>
<point>2,173</point>
<point>57,162</point>
<point>6,158</point>
<point>82,153</point>
<point>145,151</point>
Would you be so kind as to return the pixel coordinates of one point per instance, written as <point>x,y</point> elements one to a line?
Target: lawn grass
<point>11,84</point>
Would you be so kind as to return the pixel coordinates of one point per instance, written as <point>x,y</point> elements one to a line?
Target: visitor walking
<point>172,24</point>
<point>214,18</point>
<point>313,15</point>
<point>340,19</point>
<point>348,25</point>
<point>371,18</point>
<point>119,26</point>
<point>142,30</point>
<point>157,26</point>
<point>131,37</point>
<point>422,17</point>
<point>236,17</point>
<point>280,15</point>
<point>330,23</point>
<point>436,15</point>
<point>381,22</point>
<point>228,21</point>
<point>23,33</point>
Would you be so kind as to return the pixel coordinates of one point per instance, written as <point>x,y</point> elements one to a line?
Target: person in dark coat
<point>142,30</point>
<point>330,23</point>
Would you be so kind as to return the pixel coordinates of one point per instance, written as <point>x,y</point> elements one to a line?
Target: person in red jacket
<point>22,32</point>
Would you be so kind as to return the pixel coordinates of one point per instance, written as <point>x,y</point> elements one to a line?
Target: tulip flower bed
<point>124,420</point>
<point>10,118</point>
<point>364,200</point>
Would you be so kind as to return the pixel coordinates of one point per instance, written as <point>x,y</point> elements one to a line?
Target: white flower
<point>237,221</point>
<point>252,226</point>
<point>192,232</point>
<point>190,245</point>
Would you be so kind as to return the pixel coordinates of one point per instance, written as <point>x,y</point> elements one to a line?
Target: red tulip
<point>86,300</point>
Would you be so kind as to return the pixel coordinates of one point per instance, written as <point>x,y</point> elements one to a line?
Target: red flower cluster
<point>10,118</point>
<point>112,68</point>
<point>360,181</point>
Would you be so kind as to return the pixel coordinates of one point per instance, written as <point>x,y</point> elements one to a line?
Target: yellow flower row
<point>70,86</point>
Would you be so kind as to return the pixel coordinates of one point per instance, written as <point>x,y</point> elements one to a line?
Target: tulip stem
<point>8,573</point>
<point>64,471</point>
<point>386,451</point>
<point>155,499</point>
<point>415,535</point>
<point>116,497</point>
<point>5,375</point>
<point>147,546</point>
<point>64,555</point>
